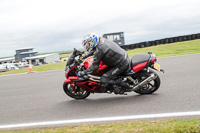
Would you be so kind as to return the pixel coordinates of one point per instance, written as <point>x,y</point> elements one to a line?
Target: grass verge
<point>168,126</point>
<point>172,49</point>
<point>166,50</point>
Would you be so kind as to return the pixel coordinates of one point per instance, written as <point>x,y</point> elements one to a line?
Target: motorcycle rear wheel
<point>70,91</point>
<point>151,87</point>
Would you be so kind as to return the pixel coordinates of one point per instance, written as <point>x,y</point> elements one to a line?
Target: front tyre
<point>77,93</point>
<point>152,86</point>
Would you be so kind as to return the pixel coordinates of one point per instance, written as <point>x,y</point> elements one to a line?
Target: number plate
<point>156,66</point>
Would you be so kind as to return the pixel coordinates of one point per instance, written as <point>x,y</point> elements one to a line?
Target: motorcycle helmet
<point>90,41</point>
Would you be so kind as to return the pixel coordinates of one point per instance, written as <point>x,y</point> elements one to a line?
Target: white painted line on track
<point>103,119</point>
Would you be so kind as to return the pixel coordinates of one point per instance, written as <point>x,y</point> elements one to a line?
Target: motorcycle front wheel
<point>77,93</point>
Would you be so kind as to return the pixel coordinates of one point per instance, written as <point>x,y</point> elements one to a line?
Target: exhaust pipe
<point>94,78</point>
<point>145,82</point>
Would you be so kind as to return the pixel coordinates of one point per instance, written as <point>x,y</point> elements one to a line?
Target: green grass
<point>168,126</point>
<point>172,49</point>
<point>165,50</point>
<point>65,55</point>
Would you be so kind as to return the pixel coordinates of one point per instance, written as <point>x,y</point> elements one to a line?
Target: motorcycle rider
<point>111,54</point>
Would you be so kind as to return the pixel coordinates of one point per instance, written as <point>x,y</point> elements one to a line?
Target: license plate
<point>156,66</point>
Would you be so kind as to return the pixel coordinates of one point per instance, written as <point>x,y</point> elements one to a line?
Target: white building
<point>25,52</point>
<point>7,60</point>
<point>43,59</point>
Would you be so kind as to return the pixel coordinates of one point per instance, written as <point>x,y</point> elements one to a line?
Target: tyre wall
<point>162,41</point>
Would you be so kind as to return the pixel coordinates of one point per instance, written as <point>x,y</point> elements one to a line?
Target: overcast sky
<point>59,25</point>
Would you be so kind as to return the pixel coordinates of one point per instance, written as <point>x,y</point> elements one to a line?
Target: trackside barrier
<point>162,41</point>
<point>198,36</point>
<point>193,36</point>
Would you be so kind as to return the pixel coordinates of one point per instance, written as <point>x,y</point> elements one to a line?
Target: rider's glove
<point>81,73</point>
<point>87,55</point>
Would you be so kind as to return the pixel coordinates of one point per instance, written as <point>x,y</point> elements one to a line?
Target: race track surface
<point>38,97</point>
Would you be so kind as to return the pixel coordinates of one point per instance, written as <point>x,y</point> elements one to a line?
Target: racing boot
<point>104,88</point>
<point>124,86</point>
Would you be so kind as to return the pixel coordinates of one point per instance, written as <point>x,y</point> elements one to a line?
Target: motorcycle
<point>142,79</point>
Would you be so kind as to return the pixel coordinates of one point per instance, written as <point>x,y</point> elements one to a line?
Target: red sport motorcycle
<point>141,78</point>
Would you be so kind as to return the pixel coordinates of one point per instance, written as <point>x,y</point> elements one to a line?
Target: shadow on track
<point>105,106</point>
<point>111,100</point>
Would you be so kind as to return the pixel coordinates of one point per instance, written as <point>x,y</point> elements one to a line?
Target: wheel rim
<point>79,92</point>
<point>148,87</point>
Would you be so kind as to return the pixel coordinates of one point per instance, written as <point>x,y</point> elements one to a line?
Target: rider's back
<point>112,53</point>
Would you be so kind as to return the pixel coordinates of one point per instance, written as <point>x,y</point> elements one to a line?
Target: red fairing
<point>139,66</point>
<point>68,70</point>
<point>88,85</point>
<point>153,60</point>
<point>88,62</point>
<point>68,80</point>
<point>102,67</point>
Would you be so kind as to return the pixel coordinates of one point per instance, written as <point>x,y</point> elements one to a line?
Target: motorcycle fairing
<point>69,79</point>
<point>68,71</point>
<point>102,67</point>
<point>138,67</point>
<point>88,85</point>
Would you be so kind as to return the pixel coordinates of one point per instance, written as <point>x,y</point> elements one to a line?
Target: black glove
<point>81,73</point>
<point>87,55</point>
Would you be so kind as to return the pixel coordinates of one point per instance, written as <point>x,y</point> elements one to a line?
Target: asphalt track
<point>39,97</point>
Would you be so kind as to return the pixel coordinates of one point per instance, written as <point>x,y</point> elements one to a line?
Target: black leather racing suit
<point>113,55</point>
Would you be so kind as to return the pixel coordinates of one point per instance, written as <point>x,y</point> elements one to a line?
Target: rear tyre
<point>78,93</point>
<point>151,87</point>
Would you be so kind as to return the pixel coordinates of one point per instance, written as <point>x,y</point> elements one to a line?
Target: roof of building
<point>7,59</point>
<point>113,33</point>
<point>28,52</point>
<point>24,48</point>
<point>39,56</point>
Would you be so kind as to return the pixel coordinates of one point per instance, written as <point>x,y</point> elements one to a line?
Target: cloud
<point>49,25</point>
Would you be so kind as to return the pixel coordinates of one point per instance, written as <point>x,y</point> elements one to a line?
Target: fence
<point>162,41</point>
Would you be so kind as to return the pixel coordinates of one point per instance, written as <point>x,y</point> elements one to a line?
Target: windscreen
<point>70,59</point>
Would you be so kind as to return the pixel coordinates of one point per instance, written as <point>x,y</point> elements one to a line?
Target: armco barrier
<point>162,41</point>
